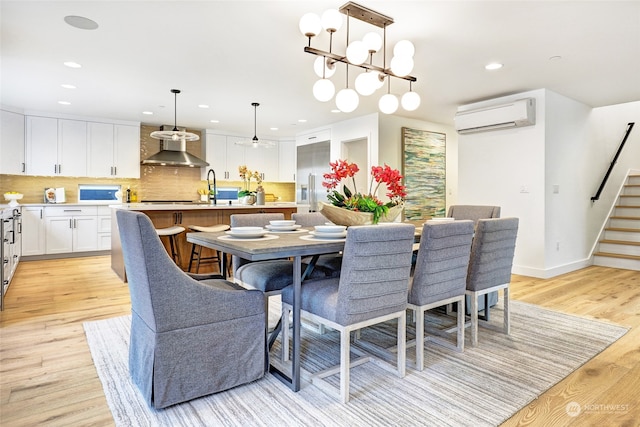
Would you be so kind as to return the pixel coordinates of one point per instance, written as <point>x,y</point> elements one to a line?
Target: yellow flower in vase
<point>246,175</point>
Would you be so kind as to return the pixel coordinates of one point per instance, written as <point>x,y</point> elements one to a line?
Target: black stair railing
<point>613,162</point>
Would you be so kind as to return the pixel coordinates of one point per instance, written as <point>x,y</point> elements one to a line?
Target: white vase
<point>247,200</point>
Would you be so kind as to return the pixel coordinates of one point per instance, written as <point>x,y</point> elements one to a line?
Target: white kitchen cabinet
<point>216,155</point>
<point>71,229</point>
<point>236,157</point>
<point>320,135</point>
<point>12,143</point>
<point>56,147</point>
<point>287,161</point>
<point>33,230</point>
<point>264,159</point>
<point>104,228</point>
<point>114,150</point>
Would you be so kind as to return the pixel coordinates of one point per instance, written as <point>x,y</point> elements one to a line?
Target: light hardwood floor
<point>47,375</point>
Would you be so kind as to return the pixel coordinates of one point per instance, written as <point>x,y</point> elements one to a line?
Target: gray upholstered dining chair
<point>189,338</point>
<point>490,263</point>
<point>372,288</point>
<point>474,213</point>
<point>267,276</point>
<point>440,279</point>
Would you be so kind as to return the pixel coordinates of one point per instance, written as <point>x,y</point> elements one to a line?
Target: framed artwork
<point>424,168</point>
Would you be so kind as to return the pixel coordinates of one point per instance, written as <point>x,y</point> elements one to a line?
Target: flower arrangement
<point>356,201</point>
<point>245,176</point>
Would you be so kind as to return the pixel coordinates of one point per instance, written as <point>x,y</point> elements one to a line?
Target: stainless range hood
<point>174,153</point>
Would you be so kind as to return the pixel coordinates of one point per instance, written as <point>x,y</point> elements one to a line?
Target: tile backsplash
<point>155,183</point>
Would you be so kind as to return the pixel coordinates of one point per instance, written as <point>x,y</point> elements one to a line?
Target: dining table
<point>295,246</point>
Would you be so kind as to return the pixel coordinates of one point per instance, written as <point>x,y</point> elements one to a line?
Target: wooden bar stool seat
<point>171,233</point>
<point>196,250</point>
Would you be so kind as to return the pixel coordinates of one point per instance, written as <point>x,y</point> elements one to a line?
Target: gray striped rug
<point>481,387</point>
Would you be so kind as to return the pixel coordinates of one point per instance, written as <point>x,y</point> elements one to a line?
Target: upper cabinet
<point>12,143</point>
<point>114,150</point>
<point>55,147</point>
<point>69,147</point>
<point>287,160</point>
<point>225,153</point>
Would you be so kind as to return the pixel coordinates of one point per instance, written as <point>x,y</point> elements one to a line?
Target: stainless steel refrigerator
<point>312,163</point>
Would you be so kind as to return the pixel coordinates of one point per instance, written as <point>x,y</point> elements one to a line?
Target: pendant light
<point>175,134</point>
<point>254,140</point>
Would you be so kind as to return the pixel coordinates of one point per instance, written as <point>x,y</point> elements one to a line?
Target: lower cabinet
<point>33,230</point>
<point>104,228</point>
<point>71,229</point>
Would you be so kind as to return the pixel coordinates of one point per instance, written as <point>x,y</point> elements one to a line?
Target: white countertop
<point>198,206</point>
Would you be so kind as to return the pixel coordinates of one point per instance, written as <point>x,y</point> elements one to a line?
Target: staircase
<point>619,245</point>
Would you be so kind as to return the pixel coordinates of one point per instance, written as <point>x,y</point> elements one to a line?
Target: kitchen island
<point>186,214</point>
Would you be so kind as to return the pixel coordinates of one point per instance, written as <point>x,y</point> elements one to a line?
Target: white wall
<point>506,168</point>
<point>570,146</point>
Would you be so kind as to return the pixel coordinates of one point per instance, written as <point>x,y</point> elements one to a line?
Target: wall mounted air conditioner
<point>513,114</point>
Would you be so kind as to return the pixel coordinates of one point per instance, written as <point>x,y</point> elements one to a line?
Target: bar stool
<point>196,250</point>
<point>171,233</point>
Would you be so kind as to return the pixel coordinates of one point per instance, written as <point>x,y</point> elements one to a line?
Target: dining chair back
<point>181,327</point>
<point>440,279</point>
<point>490,264</point>
<point>372,288</point>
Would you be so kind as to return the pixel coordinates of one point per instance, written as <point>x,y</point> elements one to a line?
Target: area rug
<point>483,386</point>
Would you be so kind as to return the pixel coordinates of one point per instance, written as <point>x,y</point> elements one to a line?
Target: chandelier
<point>175,134</point>
<point>359,54</point>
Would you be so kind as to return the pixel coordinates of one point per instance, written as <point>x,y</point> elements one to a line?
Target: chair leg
<point>285,333</point>
<point>193,252</point>
<point>419,316</point>
<point>507,315</point>
<point>474,319</point>
<point>344,364</point>
<point>461,326</point>
<point>402,344</point>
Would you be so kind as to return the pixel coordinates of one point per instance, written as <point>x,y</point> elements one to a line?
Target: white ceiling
<point>228,54</point>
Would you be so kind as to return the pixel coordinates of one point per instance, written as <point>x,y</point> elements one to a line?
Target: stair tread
<point>610,255</point>
<point>628,206</point>
<point>620,242</point>
<point>637,218</point>
<point>629,230</point>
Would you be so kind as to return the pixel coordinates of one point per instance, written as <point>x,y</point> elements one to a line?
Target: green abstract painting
<point>424,167</point>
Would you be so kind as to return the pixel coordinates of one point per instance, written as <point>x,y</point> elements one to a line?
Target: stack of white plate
<point>247,232</point>
<point>329,231</point>
<point>282,225</point>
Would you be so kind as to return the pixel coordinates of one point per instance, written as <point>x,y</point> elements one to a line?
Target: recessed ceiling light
<point>493,66</point>
<point>72,64</point>
<point>148,113</point>
<point>64,103</point>
<point>555,58</point>
<point>273,128</point>
<point>302,121</point>
<point>203,106</point>
<point>336,111</point>
<point>81,22</point>
<point>215,121</point>
<point>67,86</point>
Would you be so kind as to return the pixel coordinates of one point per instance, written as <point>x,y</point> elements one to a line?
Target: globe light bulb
<point>401,65</point>
<point>404,48</point>
<point>310,25</point>
<point>357,52</point>
<point>319,64</point>
<point>388,103</point>
<point>331,20</point>
<point>347,100</point>
<point>372,41</point>
<point>410,101</point>
<point>323,90</point>
<point>365,83</point>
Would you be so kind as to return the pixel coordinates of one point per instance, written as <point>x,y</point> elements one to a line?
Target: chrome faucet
<point>212,197</point>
